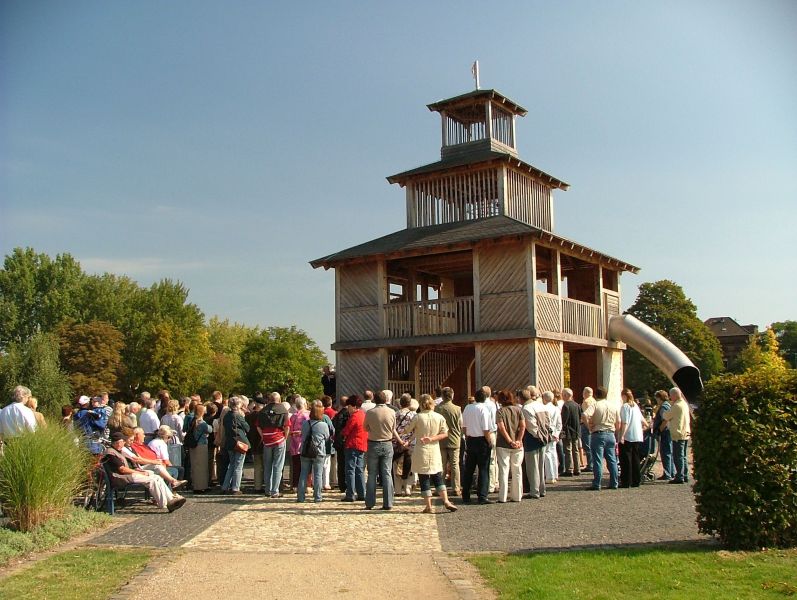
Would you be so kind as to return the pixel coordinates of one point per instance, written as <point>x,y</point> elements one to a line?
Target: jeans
<point>604,444</point>
<point>427,481</point>
<point>316,465</point>
<point>585,445</point>
<point>380,460</point>
<point>478,454</point>
<point>665,448</point>
<point>232,480</point>
<point>355,475</point>
<point>681,465</point>
<point>222,463</point>
<point>273,463</point>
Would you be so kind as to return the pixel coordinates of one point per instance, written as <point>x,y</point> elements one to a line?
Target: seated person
<point>142,456</point>
<point>160,446</point>
<point>123,472</point>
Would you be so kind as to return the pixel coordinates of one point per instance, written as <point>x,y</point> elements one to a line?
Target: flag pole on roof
<point>475,71</point>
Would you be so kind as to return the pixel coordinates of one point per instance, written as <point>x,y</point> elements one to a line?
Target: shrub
<point>40,474</point>
<point>745,459</point>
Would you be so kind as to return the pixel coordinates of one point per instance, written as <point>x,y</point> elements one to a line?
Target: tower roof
<point>459,103</point>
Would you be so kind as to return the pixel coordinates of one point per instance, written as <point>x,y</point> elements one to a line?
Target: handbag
<point>241,447</point>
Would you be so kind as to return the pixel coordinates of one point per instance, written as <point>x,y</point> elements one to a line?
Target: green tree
<point>37,293</point>
<point>786,333</point>
<point>284,360</point>
<point>663,306</point>
<point>762,351</point>
<point>91,355</point>
<point>35,364</point>
<point>227,340</point>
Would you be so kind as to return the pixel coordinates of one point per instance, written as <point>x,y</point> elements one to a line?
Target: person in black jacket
<point>339,422</point>
<point>235,439</point>
<point>571,420</point>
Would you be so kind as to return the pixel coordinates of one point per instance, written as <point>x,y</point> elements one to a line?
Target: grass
<point>659,573</point>
<point>81,574</point>
<point>75,522</point>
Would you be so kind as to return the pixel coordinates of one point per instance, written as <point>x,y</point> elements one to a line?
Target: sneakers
<point>175,503</point>
<point>179,483</point>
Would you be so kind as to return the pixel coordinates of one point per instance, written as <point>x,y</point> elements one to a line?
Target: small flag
<point>475,71</point>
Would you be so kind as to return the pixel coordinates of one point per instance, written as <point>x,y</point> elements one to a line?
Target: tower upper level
<point>477,121</point>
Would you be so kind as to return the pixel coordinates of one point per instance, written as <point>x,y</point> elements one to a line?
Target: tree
<point>284,360</point>
<point>91,355</point>
<point>37,293</point>
<point>663,305</point>
<point>786,333</point>
<point>762,351</point>
<point>35,365</point>
<point>226,340</point>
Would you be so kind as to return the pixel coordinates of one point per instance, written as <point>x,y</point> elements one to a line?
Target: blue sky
<point>228,144</point>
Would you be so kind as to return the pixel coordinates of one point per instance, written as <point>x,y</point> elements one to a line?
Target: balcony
<point>564,315</point>
<point>429,317</point>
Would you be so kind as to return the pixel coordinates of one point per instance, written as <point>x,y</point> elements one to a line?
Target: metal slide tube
<point>658,350</point>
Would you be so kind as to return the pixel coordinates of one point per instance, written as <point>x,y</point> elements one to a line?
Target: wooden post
<point>503,200</point>
<point>382,292</point>
<point>488,129</point>
<point>531,281</point>
<point>445,128</point>
<point>476,292</point>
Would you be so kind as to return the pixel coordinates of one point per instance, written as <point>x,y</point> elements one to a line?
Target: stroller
<point>646,466</point>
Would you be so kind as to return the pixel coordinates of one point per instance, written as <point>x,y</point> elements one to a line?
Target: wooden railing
<point>582,318</point>
<point>564,315</point>
<point>429,317</point>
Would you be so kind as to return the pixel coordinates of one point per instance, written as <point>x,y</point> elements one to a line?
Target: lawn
<point>659,573</point>
<point>81,574</point>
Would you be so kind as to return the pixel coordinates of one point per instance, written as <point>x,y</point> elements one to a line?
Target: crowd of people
<point>512,443</point>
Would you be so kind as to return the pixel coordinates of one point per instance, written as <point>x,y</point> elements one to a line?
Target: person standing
<point>509,447</point>
<point>477,425</point>
<point>536,437</point>
<point>148,419</point>
<point>329,381</point>
<point>16,418</point>
<point>603,423</point>
<point>662,431</point>
<point>587,406</point>
<point>428,428</point>
<point>296,421</point>
<point>355,445</point>
<point>679,422</point>
<point>449,447</point>
<point>196,439</point>
<point>315,434</point>
<point>571,427</point>
<point>632,425</point>
<point>235,430</point>
<point>380,425</point>
<point>256,442</point>
<point>555,423</point>
<point>273,424</point>
<point>339,422</point>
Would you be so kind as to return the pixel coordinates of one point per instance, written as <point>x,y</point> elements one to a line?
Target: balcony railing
<point>429,317</point>
<point>564,315</point>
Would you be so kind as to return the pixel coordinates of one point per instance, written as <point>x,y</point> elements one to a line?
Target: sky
<point>226,145</point>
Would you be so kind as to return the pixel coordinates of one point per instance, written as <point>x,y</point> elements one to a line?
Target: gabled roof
<point>726,326</point>
<point>457,236</point>
<point>486,94</point>
<point>483,156</point>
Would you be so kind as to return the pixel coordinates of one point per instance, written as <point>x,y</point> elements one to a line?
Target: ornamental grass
<point>40,475</point>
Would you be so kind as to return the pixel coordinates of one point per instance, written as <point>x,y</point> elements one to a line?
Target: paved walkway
<point>268,548</point>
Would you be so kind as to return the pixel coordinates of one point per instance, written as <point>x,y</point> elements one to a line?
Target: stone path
<point>275,548</point>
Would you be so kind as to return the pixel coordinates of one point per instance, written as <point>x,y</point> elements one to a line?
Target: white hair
<point>21,393</point>
<point>300,403</point>
<point>235,404</point>
<point>567,393</point>
<point>275,397</point>
<point>547,397</point>
<point>676,393</point>
<point>388,396</point>
<point>587,392</point>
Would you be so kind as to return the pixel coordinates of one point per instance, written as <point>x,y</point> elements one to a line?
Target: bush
<point>40,474</point>
<point>745,459</point>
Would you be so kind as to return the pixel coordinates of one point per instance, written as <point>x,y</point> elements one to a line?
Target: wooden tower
<point>477,289</point>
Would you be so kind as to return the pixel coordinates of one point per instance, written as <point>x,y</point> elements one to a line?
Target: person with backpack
<point>273,425</point>
<point>315,434</point>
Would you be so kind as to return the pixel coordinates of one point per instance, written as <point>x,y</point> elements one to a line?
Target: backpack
<point>309,447</point>
<point>190,441</point>
<point>271,418</point>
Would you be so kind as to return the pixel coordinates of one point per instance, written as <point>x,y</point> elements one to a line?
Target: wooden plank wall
<point>503,304</point>
<point>506,365</point>
<point>359,370</point>
<point>358,304</point>
<point>549,365</point>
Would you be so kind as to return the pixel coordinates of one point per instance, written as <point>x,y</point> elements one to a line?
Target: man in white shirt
<point>148,419</point>
<point>368,403</point>
<point>16,418</point>
<point>493,406</point>
<point>477,424</point>
<point>555,422</point>
<point>534,441</point>
<point>587,408</point>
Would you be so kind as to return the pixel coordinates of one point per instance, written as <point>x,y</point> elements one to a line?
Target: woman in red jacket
<point>355,445</point>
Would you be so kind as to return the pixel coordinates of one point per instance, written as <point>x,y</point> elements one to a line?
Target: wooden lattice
<point>506,365</point>
<point>549,365</point>
<point>359,370</point>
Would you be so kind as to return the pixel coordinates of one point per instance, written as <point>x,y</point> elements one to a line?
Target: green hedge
<point>745,459</point>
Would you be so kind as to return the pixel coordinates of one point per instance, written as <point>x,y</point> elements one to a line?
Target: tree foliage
<point>786,334</point>
<point>282,359</point>
<point>35,365</point>
<point>91,354</point>
<point>745,458</point>
<point>663,306</point>
<point>762,351</point>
